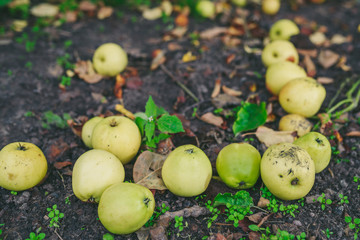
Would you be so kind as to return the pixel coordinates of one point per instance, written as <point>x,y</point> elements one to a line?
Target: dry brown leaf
<point>219,236</point>
<point>270,137</point>
<point>213,32</point>
<point>56,150</point>
<point>318,38</point>
<point>87,6</point>
<point>70,16</point>
<point>212,119</point>
<point>256,218</point>
<point>61,165</point>
<point>230,58</point>
<point>231,41</point>
<point>353,134</point>
<point>263,202</point>
<point>77,124</point>
<point>152,13</point>
<point>120,82</point>
<point>224,100</point>
<point>158,59</point>
<point>120,108</point>
<point>147,170</point>
<point>19,25</point>
<point>254,236</point>
<point>342,64</point>
<point>188,57</point>
<point>231,92</point>
<point>217,88</point>
<point>325,80</point>
<point>44,10</point>
<point>105,12</point>
<point>182,20</point>
<point>310,66</point>
<point>234,31</point>
<point>340,39</point>
<point>85,71</point>
<point>178,32</point>
<point>174,46</point>
<point>311,52</point>
<point>328,58</point>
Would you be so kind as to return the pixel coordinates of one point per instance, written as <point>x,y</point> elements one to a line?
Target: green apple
<point>239,3</point>
<point>287,171</point>
<point>86,132</point>
<point>187,171</point>
<point>118,135</point>
<point>206,8</point>
<point>22,166</point>
<point>283,29</point>
<point>93,172</point>
<point>318,147</point>
<point>125,207</point>
<point>238,165</point>
<point>303,96</point>
<point>109,59</point>
<point>270,7</point>
<point>279,51</point>
<point>280,73</point>
<point>295,122</point>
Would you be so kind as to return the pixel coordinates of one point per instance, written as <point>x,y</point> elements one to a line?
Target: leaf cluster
<point>280,235</point>
<point>157,213</point>
<point>49,118</point>
<point>36,235</point>
<point>354,224</point>
<point>323,200</point>
<point>55,215</point>
<point>156,124</point>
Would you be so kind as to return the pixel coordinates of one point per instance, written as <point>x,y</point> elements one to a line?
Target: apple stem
<point>113,123</point>
<point>21,147</point>
<point>190,150</point>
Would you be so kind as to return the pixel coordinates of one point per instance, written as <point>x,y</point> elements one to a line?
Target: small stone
<point>297,223</point>
<point>343,183</point>
<point>312,214</point>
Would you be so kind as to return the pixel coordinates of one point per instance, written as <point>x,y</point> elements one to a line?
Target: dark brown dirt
<point>35,89</point>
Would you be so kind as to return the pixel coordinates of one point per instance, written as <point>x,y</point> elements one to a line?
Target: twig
<point>58,235</point>
<point>62,178</point>
<point>179,83</point>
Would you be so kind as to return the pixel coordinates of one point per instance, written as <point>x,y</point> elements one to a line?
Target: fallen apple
<point>206,8</point>
<point>295,122</point>
<point>303,96</point>
<point>283,29</point>
<point>22,166</point>
<point>86,132</point>
<point>110,59</point>
<point>278,74</point>
<point>118,135</point>
<point>287,171</point>
<point>238,165</point>
<point>279,51</point>
<point>239,3</point>
<point>318,147</point>
<point>270,7</point>
<point>187,171</point>
<point>93,172</point>
<point>125,207</point>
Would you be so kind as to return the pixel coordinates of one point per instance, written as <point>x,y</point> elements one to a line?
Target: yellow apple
<point>110,59</point>
<point>239,3</point>
<point>270,7</point>
<point>279,51</point>
<point>283,29</point>
<point>318,147</point>
<point>22,166</point>
<point>303,96</point>
<point>86,132</point>
<point>118,135</point>
<point>238,165</point>
<point>187,171</point>
<point>287,171</point>
<point>125,207</point>
<point>206,8</point>
<point>295,122</point>
<point>280,73</point>
<point>93,172</point>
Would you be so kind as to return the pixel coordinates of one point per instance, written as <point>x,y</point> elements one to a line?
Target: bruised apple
<point>125,207</point>
<point>318,147</point>
<point>187,171</point>
<point>279,51</point>
<point>303,96</point>
<point>295,122</point>
<point>238,165</point>
<point>93,172</point>
<point>110,59</point>
<point>22,166</point>
<point>278,74</point>
<point>86,132</point>
<point>288,171</point>
<point>118,135</point>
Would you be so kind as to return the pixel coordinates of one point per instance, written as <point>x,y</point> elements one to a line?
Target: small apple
<point>279,51</point>
<point>22,166</point>
<point>287,171</point>
<point>118,135</point>
<point>239,3</point>
<point>125,207</point>
<point>278,74</point>
<point>93,172</point>
<point>206,8</point>
<point>110,59</point>
<point>238,165</point>
<point>86,132</point>
<point>187,171</point>
<point>295,122</point>
<point>303,96</point>
<point>283,29</point>
<point>318,147</point>
<point>270,7</point>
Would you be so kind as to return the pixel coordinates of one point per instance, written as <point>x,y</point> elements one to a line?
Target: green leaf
<point>151,110</point>
<point>149,130</point>
<point>108,236</point>
<point>254,228</point>
<point>249,117</point>
<point>140,122</point>
<point>241,199</point>
<point>162,136</point>
<point>170,124</point>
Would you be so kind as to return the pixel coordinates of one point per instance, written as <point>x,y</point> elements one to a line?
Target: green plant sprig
<point>323,200</point>
<point>55,215</point>
<point>37,235</point>
<point>354,224</point>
